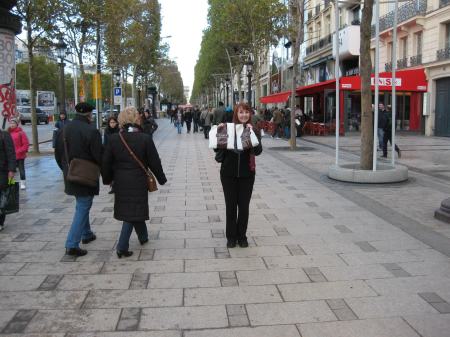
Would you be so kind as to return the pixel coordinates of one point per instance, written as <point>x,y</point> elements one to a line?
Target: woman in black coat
<point>237,174</point>
<point>7,164</point>
<point>111,128</point>
<point>130,180</point>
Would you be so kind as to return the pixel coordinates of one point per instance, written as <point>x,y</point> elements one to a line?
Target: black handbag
<point>9,199</point>
<point>220,156</point>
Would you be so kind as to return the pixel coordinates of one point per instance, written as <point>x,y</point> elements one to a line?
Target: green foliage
<point>241,27</point>
<point>171,84</point>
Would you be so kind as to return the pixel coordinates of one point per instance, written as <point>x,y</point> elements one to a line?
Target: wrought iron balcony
<point>322,43</point>
<point>402,63</point>
<point>317,11</point>
<point>388,66</point>
<point>443,54</point>
<point>405,12</point>
<point>415,60</point>
<point>328,2</point>
<point>443,3</point>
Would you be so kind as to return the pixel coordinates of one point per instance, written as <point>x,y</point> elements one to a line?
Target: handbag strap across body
<point>134,156</point>
<point>66,152</point>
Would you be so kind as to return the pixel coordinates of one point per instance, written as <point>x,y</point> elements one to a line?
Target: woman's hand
<point>221,125</point>
<point>250,126</point>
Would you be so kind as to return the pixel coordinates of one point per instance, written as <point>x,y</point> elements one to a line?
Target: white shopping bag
<point>231,134</point>
<point>213,137</point>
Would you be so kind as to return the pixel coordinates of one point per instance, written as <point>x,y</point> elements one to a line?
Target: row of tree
<point>122,35</point>
<point>238,29</point>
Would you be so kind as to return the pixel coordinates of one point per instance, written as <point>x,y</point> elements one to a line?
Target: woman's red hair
<point>243,106</point>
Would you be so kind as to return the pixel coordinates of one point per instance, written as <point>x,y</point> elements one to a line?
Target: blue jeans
<point>127,228</point>
<point>81,227</point>
<point>179,126</point>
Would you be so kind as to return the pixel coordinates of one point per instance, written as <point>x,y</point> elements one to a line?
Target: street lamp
<point>227,83</point>
<point>61,47</point>
<point>152,91</point>
<point>117,78</point>
<point>249,64</point>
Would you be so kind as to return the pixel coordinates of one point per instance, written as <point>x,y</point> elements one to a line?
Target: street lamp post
<point>61,47</point>
<point>152,91</point>
<point>117,84</point>
<point>249,64</point>
<point>227,84</point>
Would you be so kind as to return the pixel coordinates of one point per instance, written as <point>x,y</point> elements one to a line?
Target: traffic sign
<point>117,96</point>
<point>117,91</point>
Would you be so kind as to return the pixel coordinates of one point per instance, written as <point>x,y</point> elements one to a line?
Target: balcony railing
<point>415,60</point>
<point>402,63</point>
<point>443,3</point>
<point>328,2</point>
<point>405,12</point>
<point>322,43</point>
<point>317,11</point>
<point>443,54</point>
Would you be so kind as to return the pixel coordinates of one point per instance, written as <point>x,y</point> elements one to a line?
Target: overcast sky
<point>184,21</point>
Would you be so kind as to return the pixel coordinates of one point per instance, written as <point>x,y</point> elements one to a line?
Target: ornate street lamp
<point>117,78</point>
<point>249,63</point>
<point>61,48</point>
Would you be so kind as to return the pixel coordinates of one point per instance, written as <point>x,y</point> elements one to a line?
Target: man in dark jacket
<point>83,141</point>
<point>219,114</point>
<point>7,164</point>
<point>196,118</point>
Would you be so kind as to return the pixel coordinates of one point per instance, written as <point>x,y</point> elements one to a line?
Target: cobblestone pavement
<point>326,259</point>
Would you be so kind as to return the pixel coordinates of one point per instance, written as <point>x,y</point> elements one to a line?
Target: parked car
<point>25,116</point>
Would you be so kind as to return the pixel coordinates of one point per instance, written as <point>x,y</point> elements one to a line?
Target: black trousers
<point>195,126</point>
<point>21,167</point>
<point>188,126</point>
<point>388,138</point>
<point>206,130</point>
<point>2,219</point>
<point>237,192</point>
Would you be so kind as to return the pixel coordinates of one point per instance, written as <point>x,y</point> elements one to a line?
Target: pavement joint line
<point>408,225</point>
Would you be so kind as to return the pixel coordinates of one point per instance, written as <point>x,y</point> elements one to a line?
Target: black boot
<point>76,251</point>
<point>124,253</point>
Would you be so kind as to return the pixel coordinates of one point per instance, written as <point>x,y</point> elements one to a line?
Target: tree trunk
<point>365,62</point>
<point>34,130</point>
<point>299,18</point>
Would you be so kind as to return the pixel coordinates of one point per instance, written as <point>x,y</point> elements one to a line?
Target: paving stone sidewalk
<point>325,259</point>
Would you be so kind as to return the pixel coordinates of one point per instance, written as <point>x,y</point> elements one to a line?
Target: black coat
<point>237,163</point>
<point>7,158</point>
<point>108,132</point>
<point>149,125</point>
<point>130,180</point>
<point>83,141</point>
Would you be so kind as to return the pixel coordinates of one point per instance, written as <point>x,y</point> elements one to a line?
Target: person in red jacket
<point>21,144</point>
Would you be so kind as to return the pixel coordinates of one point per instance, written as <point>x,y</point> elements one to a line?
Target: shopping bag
<point>9,198</point>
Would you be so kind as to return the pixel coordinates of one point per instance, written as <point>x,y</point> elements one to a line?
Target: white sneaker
<point>22,185</point>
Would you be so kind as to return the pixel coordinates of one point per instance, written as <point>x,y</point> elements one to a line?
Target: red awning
<point>279,97</point>
<point>315,88</point>
<point>407,80</point>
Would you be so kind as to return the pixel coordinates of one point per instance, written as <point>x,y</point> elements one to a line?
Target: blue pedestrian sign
<point>118,91</point>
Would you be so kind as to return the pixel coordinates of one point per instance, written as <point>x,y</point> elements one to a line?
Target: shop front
<point>319,100</point>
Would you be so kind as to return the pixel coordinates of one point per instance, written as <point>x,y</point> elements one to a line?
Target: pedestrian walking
<point>21,145</point>
<point>60,123</point>
<point>196,118</point>
<point>387,135</point>
<point>82,141</point>
<point>207,117</point>
<point>179,121</point>
<point>382,122</point>
<point>219,114</point>
<point>237,174</point>
<point>188,119</point>
<point>7,165</point>
<point>130,180</point>
<point>111,128</point>
<point>149,126</point>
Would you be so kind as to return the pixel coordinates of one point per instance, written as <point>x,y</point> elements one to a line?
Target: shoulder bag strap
<point>132,154</point>
<point>66,152</point>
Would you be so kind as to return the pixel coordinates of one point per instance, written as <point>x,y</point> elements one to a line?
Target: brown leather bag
<point>81,171</point>
<point>151,180</point>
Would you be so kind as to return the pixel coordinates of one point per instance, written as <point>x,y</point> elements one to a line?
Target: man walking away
<point>387,135</point>
<point>219,114</point>
<point>196,118</point>
<point>83,141</point>
<point>382,121</point>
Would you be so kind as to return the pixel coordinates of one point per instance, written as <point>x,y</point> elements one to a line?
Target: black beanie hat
<point>83,108</point>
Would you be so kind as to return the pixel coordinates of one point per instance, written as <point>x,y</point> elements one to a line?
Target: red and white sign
<point>386,81</point>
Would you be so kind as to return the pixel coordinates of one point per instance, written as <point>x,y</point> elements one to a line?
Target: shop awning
<point>279,97</point>
<point>315,88</point>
